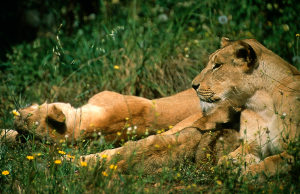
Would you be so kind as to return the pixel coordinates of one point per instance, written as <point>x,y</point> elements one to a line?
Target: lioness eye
<point>216,65</point>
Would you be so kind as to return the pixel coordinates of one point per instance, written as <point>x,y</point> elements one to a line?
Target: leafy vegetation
<point>150,49</point>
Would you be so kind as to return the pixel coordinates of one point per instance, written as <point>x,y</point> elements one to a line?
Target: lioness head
<point>225,76</point>
<point>41,120</point>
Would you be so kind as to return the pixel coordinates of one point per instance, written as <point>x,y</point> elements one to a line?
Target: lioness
<point>243,76</point>
<point>110,115</point>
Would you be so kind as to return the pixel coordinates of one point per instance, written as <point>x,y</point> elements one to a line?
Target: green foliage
<point>150,49</point>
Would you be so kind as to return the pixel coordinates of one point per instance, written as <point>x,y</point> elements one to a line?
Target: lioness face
<point>41,120</point>
<point>225,76</point>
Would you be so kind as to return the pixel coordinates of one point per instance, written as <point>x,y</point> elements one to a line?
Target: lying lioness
<point>243,76</point>
<point>110,115</point>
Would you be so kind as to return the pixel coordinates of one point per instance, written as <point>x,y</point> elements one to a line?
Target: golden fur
<point>242,77</point>
<point>242,81</point>
<point>105,114</point>
<point>245,76</point>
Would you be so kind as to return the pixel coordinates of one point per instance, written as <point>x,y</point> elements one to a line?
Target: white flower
<point>99,133</point>
<point>92,16</point>
<point>221,139</point>
<point>223,19</point>
<point>284,114</point>
<point>66,136</point>
<point>129,130</point>
<point>135,127</point>
<point>234,161</point>
<point>296,59</point>
<point>36,123</point>
<point>162,17</point>
<point>285,27</point>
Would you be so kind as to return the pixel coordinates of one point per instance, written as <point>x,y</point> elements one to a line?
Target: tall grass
<point>150,49</point>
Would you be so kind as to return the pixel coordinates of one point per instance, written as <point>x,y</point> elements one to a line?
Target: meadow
<point>150,49</point>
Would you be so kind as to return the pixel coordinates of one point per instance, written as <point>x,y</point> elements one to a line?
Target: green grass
<point>133,51</point>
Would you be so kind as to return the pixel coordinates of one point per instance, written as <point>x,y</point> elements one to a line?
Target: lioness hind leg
<point>270,166</point>
<point>153,153</point>
<point>8,135</point>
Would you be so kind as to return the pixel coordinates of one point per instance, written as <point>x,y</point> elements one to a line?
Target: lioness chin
<point>242,77</point>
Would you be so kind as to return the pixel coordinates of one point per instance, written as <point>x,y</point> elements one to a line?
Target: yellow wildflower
<point>39,154</point>
<point>113,167</point>
<point>83,164</point>
<point>219,182</point>
<point>104,174</point>
<point>116,67</point>
<point>15,113</point>
<point>156,146</point>
<point>126,118</point>
<point>70,156</point>
<point>119,133</point>
<point>62,152</point>
<point>92,125</point>
<point>298,35</point>
<point>5,172</point>
<point>57,161</point>
<point>191,29</point>
<point>104,156</point>
<point>30,157</point>
<point>170,127</point>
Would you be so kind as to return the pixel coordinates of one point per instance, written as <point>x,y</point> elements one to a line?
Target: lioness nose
<point>195,86</point>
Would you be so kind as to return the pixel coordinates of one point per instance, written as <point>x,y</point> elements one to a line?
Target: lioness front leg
<point>154,152</point>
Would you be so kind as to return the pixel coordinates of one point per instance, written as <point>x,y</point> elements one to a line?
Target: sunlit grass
<point>150,51</point>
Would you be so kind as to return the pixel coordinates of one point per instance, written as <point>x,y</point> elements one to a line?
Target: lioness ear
<point>55,113</point>
<point>245,55</point>
<point>225,41</point>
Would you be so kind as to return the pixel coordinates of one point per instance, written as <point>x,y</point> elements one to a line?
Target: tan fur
<point>106,113</point>
<point>245,76</point>
<point>8,135</point>
<point>242,77</point>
